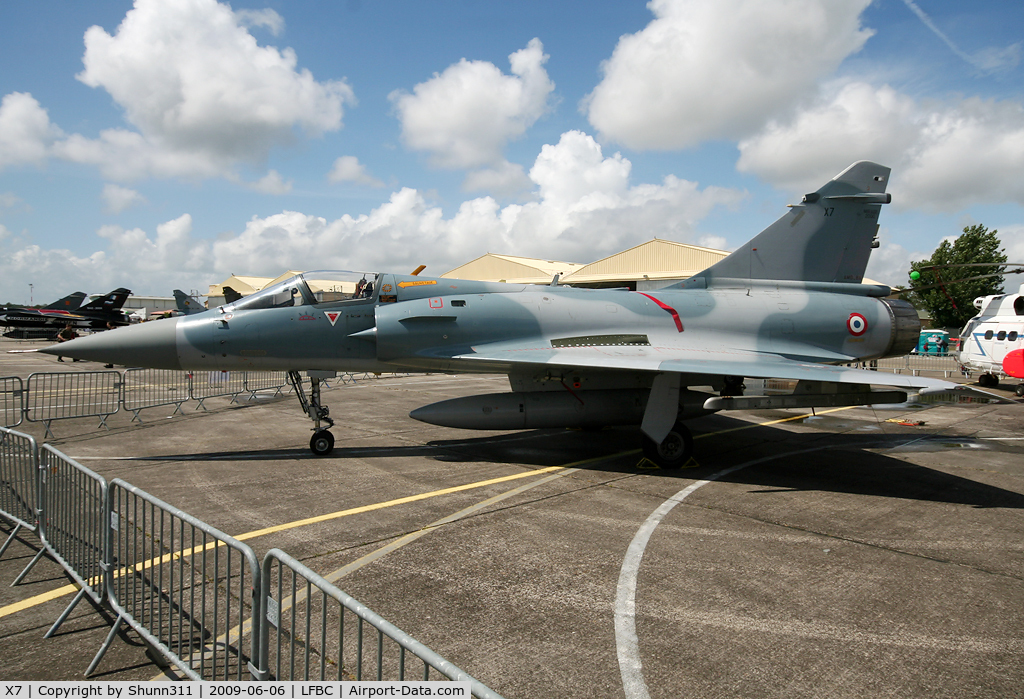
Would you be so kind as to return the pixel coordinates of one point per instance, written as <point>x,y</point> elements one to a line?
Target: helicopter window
<point>1012,337</point>
<point>989,334</point>
<point>1001,336</point>
<point>1018,305</point>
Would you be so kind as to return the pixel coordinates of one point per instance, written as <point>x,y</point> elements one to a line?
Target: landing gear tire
<point>1020,390</point>
<point>321,443</point>
<point>674,451</point>
<point>988,381</point>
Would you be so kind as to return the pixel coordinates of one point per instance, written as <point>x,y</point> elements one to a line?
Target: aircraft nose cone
<point>152,345</point>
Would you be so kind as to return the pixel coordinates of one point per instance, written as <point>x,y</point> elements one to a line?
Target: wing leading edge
<point>712,362</point>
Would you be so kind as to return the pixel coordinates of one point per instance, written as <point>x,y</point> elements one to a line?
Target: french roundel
<point>857,324</point>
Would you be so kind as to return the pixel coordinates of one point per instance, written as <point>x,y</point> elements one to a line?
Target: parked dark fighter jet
<point>69,303</point>
<point>46,322</point>
<point>187,305</point>
<point>790,304</point>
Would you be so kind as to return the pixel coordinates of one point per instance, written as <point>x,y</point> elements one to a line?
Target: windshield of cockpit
<point>312,289</point>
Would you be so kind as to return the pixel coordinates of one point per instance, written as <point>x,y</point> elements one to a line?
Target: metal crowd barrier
<point>914,364</point>
<point>195,594</point>
<point>215,384</point>
<point>72,394</point>
<point>66,395</point>
<point>186,587</point>
<point>151,388</point>
<point>256,381</point>
<point>71,524</point>
<point>11,395</point>
<point>311,630</point>
<point>19,487</point>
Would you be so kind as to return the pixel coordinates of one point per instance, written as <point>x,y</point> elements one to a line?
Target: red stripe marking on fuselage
<point>666,307</point>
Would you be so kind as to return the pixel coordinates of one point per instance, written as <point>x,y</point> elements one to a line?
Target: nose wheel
<point>322,441</point>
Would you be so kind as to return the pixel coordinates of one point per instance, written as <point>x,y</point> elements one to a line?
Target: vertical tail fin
<point>825,238</point>
<point>187,304</point>
<point>111,302</point>
<point>71,302</point>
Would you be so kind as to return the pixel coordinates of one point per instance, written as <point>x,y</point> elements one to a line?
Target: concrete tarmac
<point>841,554</point>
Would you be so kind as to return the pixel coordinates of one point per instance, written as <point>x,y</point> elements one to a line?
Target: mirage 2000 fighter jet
<point>790,304</point>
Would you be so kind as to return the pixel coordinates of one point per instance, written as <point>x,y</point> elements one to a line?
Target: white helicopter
<point>992,342</point>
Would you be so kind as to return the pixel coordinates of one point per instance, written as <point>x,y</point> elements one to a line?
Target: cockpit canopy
<point>313,289</point>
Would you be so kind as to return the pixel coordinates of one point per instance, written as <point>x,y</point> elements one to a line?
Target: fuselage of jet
<point>455,325</point>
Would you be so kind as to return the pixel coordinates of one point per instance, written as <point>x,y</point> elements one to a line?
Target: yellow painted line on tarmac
<point>231,636</point>
<point>71,589</point>
<point>392,503</point>
<point>38,599</point>
<point>776,422</point>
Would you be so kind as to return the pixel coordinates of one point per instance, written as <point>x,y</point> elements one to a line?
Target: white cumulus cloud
<point>267,18</point>
<point>347,168</point>
<point>26,133</point>
<point>118,198</point>
<point>271,183</point>
<point>718,70</point>
<point>148,265</point>
<point>585,208</point>
<point>504,179</point>
<point>465,116</point>
<point>944,156</point>
<point>202,93</point>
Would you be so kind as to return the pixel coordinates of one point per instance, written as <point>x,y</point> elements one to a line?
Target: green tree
<point>952,303</point>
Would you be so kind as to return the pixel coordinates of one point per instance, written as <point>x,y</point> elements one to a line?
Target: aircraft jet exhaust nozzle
<point>152,345</point>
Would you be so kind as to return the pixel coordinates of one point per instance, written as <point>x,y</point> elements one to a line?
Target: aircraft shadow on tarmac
<point>848,467</point>
<point>830,462</point>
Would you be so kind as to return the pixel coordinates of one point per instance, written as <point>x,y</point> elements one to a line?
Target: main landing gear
<point>988,381</point>
<point>673,451</point>
<point>322,441</point>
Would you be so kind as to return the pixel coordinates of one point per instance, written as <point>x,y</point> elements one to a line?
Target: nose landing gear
<point>322,441</point>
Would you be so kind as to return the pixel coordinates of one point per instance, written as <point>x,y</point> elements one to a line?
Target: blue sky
<point>170,143</point>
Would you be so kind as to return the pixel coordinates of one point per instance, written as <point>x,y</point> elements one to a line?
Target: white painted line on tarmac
<point>626,643</point>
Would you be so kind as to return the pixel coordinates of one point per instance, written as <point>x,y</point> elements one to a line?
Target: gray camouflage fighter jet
<point>790,304</point>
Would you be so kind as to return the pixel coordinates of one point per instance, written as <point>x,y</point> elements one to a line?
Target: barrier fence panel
<point>213,384</point>
<point>19,475</point>
<point>151,388</point>
<point>265,381</point>
<point>915,364</point>
<point>311,630</point>
<point>895,365</point>
<point>60,396</point>
<point>12,407</point>
<point>71,523</point>
<point>186,587</point>
<point>946,364</point>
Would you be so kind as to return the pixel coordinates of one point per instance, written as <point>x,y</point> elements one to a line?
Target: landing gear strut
<point>674,451</point>
<point>322,441</point>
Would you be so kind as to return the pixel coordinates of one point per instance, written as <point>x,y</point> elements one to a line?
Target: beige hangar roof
<point>242,284</point>
<point>512,269</point>
<point>655,259</point>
